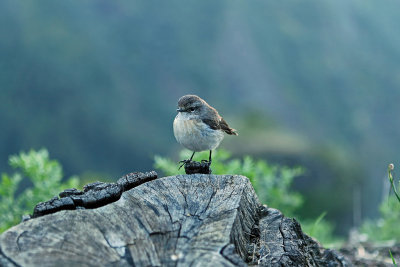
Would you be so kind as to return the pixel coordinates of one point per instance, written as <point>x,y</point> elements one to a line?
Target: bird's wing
<point>225,127</point>
<point>212,123</point>
<point>220,125</point>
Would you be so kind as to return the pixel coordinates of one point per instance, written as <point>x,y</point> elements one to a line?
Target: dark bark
<point>184,220</point>
<point>94,195</point>
<point>193,167</point>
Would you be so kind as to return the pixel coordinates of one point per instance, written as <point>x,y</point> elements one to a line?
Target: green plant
<point>315,224</point>
<point>386,227</point>
<point>322,230</point>
<point>391,180</point>
<point>393,260</point>
<point>271,182</point>
<point>43,175</point>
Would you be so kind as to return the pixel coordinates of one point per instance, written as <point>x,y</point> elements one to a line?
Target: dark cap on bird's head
<point>189,102</point>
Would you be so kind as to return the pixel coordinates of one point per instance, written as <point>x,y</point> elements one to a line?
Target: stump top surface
<point>154,223</point>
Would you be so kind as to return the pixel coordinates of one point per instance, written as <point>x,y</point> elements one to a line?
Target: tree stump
<point>183,220</point>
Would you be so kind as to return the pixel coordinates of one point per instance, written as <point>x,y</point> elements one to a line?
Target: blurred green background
<point>309,83</point>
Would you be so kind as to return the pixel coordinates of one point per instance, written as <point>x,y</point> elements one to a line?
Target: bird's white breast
<point>194,134</point>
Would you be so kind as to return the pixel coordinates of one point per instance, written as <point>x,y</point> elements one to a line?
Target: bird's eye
<point>191,109</point>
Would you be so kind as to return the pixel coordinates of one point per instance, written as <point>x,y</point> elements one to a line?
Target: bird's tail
<point>231,131</point>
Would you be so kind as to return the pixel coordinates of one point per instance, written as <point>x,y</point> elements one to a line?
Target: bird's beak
<point>180,110</point>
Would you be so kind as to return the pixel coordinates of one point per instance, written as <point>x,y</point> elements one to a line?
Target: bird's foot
<point>208,162</point>
<point>184,162</point>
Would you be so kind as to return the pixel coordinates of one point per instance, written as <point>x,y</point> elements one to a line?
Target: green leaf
<point>391,256</point>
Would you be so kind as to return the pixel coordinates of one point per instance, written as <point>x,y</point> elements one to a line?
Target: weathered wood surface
<point>184,220</point>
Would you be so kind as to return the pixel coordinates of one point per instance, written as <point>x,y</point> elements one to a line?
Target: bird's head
<point>191,105</point>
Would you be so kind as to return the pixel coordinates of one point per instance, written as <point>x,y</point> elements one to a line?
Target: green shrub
<point>387,226</point>
<point>44,176</point>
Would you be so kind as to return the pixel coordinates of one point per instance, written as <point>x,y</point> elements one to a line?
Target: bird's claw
<point>184,162</point>
<point>208,162</point>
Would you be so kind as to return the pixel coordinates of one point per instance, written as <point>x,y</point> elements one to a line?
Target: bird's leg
<point>186,161</point>
<point>209,159</point>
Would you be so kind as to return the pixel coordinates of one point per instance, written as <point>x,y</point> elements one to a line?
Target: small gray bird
<point>198,126</point>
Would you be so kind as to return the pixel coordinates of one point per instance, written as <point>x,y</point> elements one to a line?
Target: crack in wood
<point>8,259</point>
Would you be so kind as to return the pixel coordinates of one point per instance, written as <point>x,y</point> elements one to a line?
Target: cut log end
<point>199,220</point>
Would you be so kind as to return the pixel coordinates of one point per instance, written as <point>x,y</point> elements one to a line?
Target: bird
<point>198,126</point>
